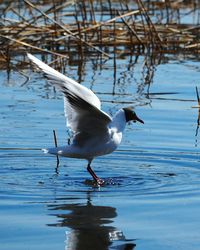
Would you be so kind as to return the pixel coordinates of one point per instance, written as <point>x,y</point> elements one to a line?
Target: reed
<point>89,27</point>
<point>56,145</point>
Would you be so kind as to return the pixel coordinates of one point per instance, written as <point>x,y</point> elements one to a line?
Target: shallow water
<point>151,198</point>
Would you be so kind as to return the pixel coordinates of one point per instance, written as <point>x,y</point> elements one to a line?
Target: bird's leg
<point>99,181</point>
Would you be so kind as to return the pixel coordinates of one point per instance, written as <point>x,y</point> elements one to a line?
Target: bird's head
<point>130,115</point>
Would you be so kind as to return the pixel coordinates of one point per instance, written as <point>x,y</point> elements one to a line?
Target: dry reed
<point>90,27</point>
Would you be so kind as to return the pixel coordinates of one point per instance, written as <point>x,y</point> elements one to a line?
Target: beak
<point>138,119</point>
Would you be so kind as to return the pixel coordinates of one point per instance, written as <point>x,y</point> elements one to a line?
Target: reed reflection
<point>89,227</point>
<point>198,119</point>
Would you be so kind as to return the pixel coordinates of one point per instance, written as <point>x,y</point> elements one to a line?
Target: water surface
<point>151,200</point>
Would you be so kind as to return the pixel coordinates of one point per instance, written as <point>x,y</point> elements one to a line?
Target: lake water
<point>152,199</point>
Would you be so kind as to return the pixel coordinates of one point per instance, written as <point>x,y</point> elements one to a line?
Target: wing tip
<point>35,60</point>
<point>45,150</point>
<point>30,56</point>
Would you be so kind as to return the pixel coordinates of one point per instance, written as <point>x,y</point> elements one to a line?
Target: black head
<point>131,115</point>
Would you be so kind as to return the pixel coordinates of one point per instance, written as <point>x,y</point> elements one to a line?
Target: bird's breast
<point>116,137</point>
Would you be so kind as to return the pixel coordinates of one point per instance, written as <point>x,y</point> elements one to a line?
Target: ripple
<point>145,172</point>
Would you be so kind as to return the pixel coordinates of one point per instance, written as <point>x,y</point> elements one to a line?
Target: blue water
<point>152,196</point>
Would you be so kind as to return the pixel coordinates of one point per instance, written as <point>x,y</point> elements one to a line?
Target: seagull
<point>95,133</point>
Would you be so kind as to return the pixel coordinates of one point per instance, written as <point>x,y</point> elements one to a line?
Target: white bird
<point>95,133</point>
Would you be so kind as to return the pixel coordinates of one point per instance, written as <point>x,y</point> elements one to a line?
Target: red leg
<point>99,181</point>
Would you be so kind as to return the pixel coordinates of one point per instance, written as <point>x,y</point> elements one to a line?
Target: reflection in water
<point>198,119</point>
<point>197,128</point>
<point>89,229</point>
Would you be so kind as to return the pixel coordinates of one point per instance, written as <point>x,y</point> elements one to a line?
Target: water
<point>151,200</point>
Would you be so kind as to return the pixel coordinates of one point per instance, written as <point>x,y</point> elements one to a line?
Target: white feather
<point>84,103</point>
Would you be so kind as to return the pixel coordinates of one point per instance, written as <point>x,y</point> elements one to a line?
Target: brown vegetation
<point>90,27</point>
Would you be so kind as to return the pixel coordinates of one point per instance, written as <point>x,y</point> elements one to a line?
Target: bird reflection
<point>89,229</point>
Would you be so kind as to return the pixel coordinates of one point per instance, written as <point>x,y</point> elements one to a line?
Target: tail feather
<point>53,151</point>
<point>45,150</point>
<point>67,151</point>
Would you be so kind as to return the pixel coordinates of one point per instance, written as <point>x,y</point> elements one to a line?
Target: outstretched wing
<point>82,107</point>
